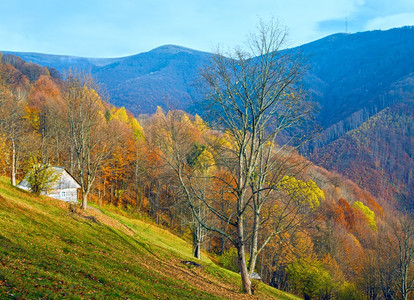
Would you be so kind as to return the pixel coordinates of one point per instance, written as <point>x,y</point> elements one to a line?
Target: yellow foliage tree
<point>137,129</point>
<point>199,123</point>
<point>304,192</point>
<point>205,162</point>
<point>32,116</point>
<point>369,214</point>
<point>185,120</point>
<point>120,114</point>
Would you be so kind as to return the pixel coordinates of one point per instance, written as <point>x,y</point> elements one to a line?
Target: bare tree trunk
<point>84,201</point>
<point>404,266</point>
<point>262,264</point>
<point>111,199</point>
<point>72,159</point>
<point>197,240</point>
<point>13,166</point>
<point>100,196</point>
<point>242,259</point>
<point>255,235</point>
<point>57,156</point>
<point>157,203</point>
<point>137,194</point>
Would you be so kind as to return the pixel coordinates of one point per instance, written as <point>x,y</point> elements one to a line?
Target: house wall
<point>65,181</point>
<point>68,195</point>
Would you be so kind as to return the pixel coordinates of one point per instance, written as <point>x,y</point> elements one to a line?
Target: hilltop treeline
<point>327,238</point>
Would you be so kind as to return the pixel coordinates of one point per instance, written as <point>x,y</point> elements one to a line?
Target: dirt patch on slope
<point>199,279</point>
<point>95,215</point>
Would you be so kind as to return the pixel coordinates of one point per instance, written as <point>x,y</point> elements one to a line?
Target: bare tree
<point>173,136</point>
<point>87,130</point>
<point>254,95</point>
<point>396,253</point>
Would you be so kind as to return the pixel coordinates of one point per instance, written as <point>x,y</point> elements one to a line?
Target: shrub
<point>309,277</point>
<point>229,260</point>
<point>348,291</point>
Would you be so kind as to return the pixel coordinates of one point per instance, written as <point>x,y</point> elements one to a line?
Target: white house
<point>65,188</point>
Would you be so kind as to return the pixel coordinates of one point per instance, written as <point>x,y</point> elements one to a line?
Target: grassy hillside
<point>48,252</point>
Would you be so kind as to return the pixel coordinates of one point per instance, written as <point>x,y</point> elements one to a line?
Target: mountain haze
<point>63,63</point>
<point>351,75</point>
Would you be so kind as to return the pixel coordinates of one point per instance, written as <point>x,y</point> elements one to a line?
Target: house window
<point>63,194</point>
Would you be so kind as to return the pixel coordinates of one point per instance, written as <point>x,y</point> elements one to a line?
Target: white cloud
<point>392,21</point>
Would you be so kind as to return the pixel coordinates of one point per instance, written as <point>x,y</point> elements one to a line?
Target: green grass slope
<point>47,252</point>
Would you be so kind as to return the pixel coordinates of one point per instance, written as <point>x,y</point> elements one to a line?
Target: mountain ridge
<point>352,77</point>
<point>341,66</point>
<point>46,59</point>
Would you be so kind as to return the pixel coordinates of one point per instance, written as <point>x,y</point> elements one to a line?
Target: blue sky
<point>112,28</point>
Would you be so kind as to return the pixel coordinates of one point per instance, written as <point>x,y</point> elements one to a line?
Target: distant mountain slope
<point>63,63</point>
<point>164,76</point>
<point>378,155</point>
<point>351,76</point>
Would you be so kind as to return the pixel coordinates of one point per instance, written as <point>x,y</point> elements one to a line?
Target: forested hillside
<point>352,77</point>
<point>378,155</point>
<point>328,238</point>
<point>165,76</point>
